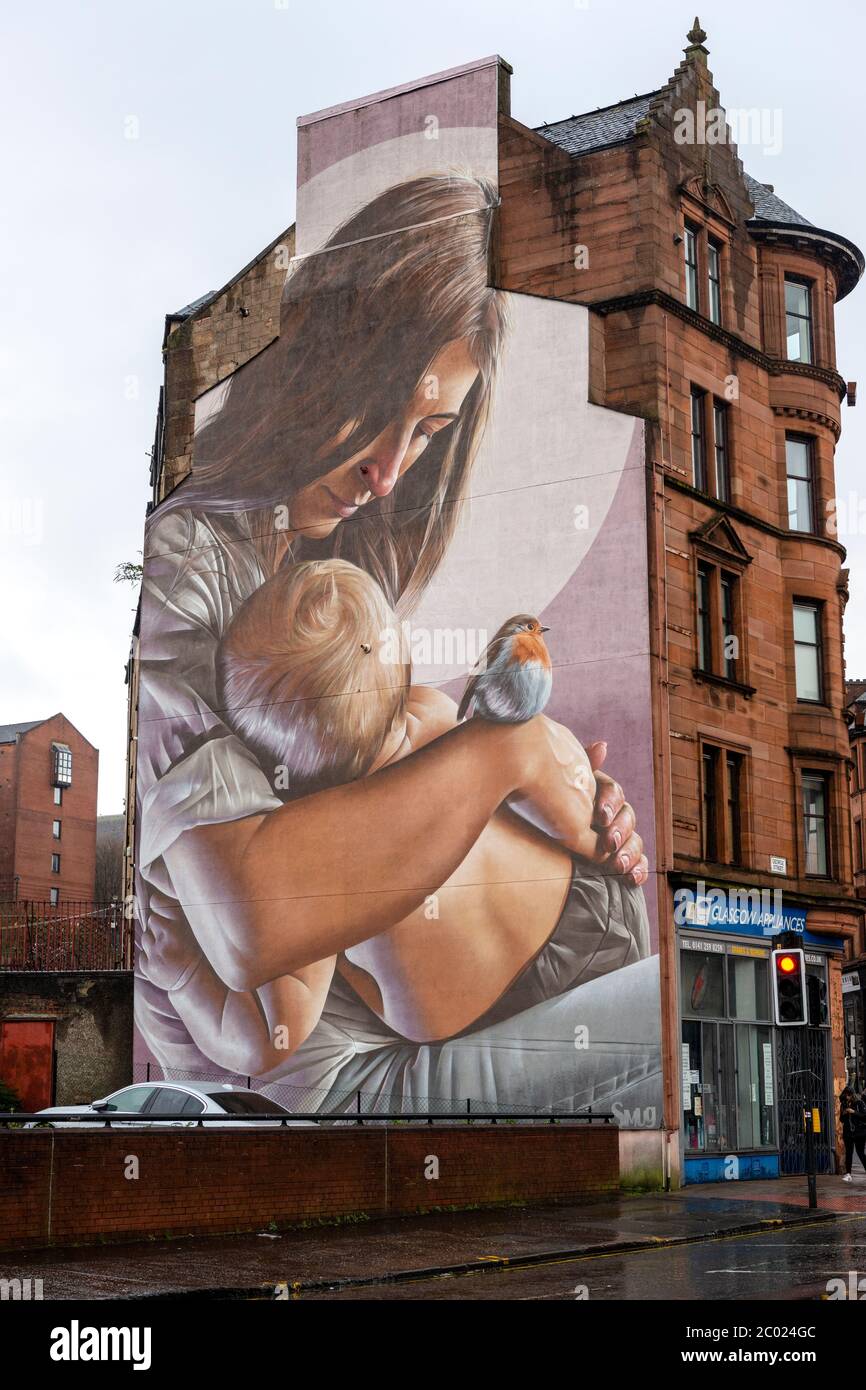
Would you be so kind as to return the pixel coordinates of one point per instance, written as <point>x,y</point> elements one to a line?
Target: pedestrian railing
<point>20,1119</point>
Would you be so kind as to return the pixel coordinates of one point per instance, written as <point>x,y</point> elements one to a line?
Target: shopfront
<point>852,1007</point>
<point>744,1081</point>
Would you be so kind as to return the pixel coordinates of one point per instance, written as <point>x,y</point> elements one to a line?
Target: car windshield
<point>247,1103</point>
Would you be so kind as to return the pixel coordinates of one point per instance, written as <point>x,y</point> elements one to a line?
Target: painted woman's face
<point>373,472</point>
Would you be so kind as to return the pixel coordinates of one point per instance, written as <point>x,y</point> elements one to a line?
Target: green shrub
<point>9,1099</point>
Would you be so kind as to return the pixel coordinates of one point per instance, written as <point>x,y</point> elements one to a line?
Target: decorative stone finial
<point>696,51</point>
<point>696,34</point>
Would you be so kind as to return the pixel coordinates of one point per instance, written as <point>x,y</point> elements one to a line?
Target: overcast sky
<point>102,234</point>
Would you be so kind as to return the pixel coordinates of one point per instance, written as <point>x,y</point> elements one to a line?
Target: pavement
<point>377,1255</point>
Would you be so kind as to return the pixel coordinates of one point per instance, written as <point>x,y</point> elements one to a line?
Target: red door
<point>27,1060</point>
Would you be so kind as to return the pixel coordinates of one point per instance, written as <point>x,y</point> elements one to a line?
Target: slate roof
<point>596,130</point>
<point>189,309</point>
<point>770,208</point>
<point>10,732</point>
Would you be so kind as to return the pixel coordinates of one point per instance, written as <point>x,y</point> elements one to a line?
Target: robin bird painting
<point>514,678</point>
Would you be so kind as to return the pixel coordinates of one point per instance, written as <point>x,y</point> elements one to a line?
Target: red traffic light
<point>789,988</point>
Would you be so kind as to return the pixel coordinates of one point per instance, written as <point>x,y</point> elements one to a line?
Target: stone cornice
<point>816,417</point>
<point>747,517</point>
<point>774,366</point>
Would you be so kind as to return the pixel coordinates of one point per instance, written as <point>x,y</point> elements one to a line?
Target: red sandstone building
<point>48,784</point>
<point>854,973</point>
<point>714,304</point>
<point>711,317</point>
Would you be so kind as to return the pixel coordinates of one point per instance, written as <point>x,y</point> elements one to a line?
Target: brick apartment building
<point>854,973</point>
<point>48,783</point>
<point>711,317</point>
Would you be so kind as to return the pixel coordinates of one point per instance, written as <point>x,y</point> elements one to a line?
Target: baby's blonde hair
<point>303,677</point>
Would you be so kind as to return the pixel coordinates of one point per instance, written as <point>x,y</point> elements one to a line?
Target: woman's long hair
<point>361,321</point>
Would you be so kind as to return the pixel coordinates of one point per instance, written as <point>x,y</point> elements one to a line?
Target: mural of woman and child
<point>341,885</point>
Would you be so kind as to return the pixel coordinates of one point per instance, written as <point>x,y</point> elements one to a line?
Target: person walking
<point>852,1114</point>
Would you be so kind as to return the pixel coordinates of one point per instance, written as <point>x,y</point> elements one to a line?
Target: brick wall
<point>207,347</point>
<point>92,1017</point>
<point>28,811</point>
<point>57,1187</point>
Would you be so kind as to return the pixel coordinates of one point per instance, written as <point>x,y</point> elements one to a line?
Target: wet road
<point>787,1265</point>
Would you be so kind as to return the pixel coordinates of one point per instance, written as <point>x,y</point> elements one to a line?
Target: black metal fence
<point>318,1104</point>
<point>65,936</point>
<point>71,1119</point>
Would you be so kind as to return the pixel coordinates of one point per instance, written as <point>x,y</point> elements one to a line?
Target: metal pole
<point>808,1126</point>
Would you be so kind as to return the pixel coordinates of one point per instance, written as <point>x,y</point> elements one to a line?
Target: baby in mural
<point>310,677</point>
<point>312,682</point>
<point>314,678</point>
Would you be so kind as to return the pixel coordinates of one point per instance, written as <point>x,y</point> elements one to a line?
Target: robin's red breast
<point>513,680</point>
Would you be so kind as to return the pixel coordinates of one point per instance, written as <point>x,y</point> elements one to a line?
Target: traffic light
<point>789,988</point>
<point>819,1012</point>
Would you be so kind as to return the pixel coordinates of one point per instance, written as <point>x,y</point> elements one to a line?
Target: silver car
<point>177,1104</point>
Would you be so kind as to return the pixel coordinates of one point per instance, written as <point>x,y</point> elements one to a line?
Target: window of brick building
<point>690,246</point>
<point>709,444</point>
<point>55,829</point>
<point>807,651</point>
<point>62,765</point>
<point>816,837</point>
<point>722,787</point>
<point>54,896</point>
<point>858,846</point>
<point>55,863</point>
<point>729,644</point>
<point>699,438</point>
<point>702,264</point>
<point>720,451</point>
<point>718,643</point>
<point>798,467</point>
<point>58,796</point>
<point>798,319</point>
<point>714,280</point>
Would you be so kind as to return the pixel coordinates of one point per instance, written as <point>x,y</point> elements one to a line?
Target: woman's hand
<point>557,789</point>
<point>615,821</point>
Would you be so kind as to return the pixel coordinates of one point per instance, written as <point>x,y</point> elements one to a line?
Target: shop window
<point>727,1066</point>
<point>702,978</point>
<point>807,651</point>
<point>798,468</point>
<point>798,319</point>
<point>756,1101</point>
<point>748,980</point>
